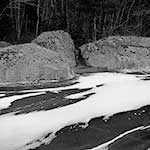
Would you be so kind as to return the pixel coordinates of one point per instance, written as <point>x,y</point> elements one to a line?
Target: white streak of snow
<point>79,95</point>
<point>105,145</point>
<point>6,101</point>
<point>1,95</point>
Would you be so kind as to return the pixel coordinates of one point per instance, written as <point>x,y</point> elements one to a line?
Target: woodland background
<point>86,20</point>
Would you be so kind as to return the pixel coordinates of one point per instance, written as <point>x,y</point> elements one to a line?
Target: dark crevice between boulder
<point>80,61</point>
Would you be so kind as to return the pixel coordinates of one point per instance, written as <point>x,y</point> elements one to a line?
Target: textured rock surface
<point>58,41</point>
<point>32,63</point>
<point>4,44</point>
<point>121,53</point>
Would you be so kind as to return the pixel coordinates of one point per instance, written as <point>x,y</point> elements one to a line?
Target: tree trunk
<point>129,11</point>
<point>102,18</point>
<point>38,18</point>
<point>123,10</point>
<point>11,8</point>
<point>62,6</point>
<point>94,29</point>
<point>67,17</point>
<point>18,20</point>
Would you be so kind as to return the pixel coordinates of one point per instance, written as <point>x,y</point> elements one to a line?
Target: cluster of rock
<point>119,53</point>
<point>51,56</point>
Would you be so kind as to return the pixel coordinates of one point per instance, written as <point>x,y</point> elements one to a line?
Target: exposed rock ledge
<point>118,53</point>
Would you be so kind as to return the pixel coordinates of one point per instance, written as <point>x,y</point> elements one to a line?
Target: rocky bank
<point>51,57</point>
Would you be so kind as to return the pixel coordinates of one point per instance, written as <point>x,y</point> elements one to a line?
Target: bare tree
<point>38,17</point>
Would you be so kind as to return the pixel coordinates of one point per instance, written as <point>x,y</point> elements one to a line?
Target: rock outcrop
<point>118,53</point>
<point>4,44</point>
<point>58,41</point>
<point>30,63</point>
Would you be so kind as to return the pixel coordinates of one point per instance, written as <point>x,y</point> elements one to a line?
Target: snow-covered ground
<point>119,93</point>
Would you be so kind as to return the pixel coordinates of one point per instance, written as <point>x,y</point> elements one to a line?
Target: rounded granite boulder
<point>118,53</point>
<point>29,63</point>
<point>58,41</point>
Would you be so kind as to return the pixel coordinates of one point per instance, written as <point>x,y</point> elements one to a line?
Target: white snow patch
<point>120,93</point>
<point>6,101</point>
<point>79,95</point>
<point>91,81</point>
<point>38,142</point>
<point>1,95</point>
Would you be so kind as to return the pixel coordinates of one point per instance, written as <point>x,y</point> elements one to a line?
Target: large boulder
<point>119,53</point>
<point>4,44</point>
<point>30,63</point>
<point>58,41</point>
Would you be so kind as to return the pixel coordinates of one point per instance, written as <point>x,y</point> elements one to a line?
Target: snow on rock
<point>6,101</point>
<point>105,145</point>
<point>120,93</point>
<point>1,95</point>
<point>92,80</point>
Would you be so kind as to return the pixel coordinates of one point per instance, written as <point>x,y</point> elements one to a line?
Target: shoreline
<point>80,70</point>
